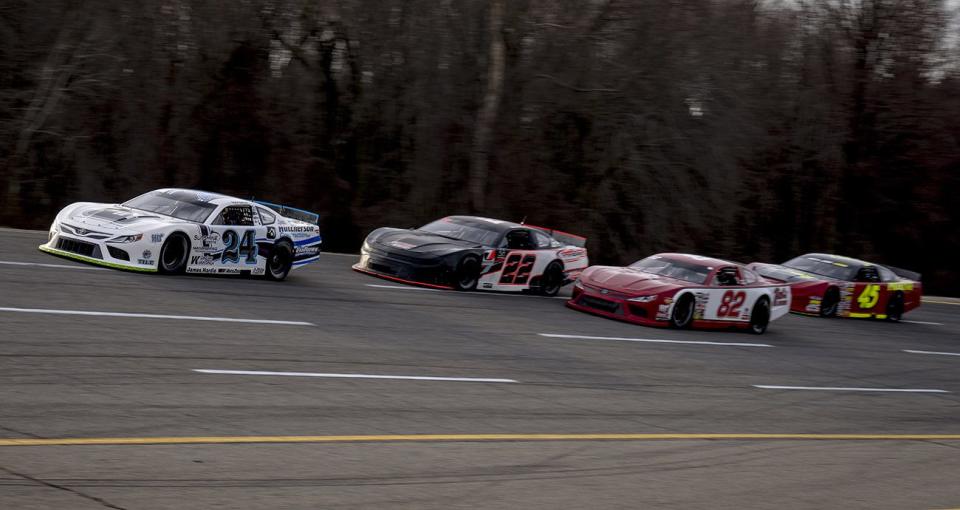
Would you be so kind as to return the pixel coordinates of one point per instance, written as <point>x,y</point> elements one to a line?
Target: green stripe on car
<point>92,260</point>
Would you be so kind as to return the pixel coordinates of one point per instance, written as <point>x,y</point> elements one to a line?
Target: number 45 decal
<point>869,297</point>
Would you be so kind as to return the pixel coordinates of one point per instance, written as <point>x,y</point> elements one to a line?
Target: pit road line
<point>354,376</point>
<point>933,352</point>
<point>57,266</point>
<point>836,388</point>
<point>426,438</point>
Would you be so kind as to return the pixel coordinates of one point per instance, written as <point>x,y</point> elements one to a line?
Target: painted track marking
<point>398,287</point>
<point>57,266</point>
<point>354,376</point>
<point>119,441</point>
<point>153,316</point>
<point>834,388</point>
<point>923,322</point>
<point>933,352</point>
<point>654,340</point>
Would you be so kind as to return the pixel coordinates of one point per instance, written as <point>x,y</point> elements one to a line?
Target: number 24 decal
<point>731,302</point>
<point>234,247</point>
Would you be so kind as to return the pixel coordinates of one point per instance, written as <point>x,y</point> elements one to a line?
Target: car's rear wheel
<point>280,261</point>
<point>467,273</point>
<point>895,307</point>
<point>173,254</point>
<point>760,316</point>
<point>830,302</point>
<point>551,280</point>
<point>682,315</point>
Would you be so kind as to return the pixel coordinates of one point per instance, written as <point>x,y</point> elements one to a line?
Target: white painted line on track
<point>933,352</point>
<point>654,340</point>
<point>153,316</point>
<point>924,322</point>
<point>830,388</point>
<point>354,376</point>
<point>400,287</point>
<point>58,266</point>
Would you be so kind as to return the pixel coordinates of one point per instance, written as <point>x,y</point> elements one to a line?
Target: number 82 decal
<point>731,303</point>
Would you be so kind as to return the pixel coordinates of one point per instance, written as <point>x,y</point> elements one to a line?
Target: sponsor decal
<point>663,312</point>
<point>402,245</point>
<point>209,241</point>
<point>293,230</point>
<point>813,306</point>
<point>779,296</point>
<point>900,286</point>
<point>488,285</point>
<point>204,197</point>
<point>145,262</point>
<point>202,260</point>
<point>307,250</point>
<point>700,304</point>
<point>156,238</point>
<point>271,233</point>
<point>257,271</point>
<point>147,254</point>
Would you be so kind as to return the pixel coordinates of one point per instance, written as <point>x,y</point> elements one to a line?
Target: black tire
<point>682,315</point>
<point>467,274</point>
<point>280,261</point>
<point>895,307</point>
<point>551,280</point>
<point>173,254</point>
<point>830,302</point>
<point>760,316</point>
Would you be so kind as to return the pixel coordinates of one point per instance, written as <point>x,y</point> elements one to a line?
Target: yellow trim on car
<point>91,260</point>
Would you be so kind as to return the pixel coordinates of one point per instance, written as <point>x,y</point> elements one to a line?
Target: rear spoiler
<point>292,212</point>
<point>563,237</point>
<point>903,273</point>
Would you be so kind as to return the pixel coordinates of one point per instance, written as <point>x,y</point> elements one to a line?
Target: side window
<point>727,277</point>
<point>887,275</point>
<point>266,217</point>
<point>868,274</point>
<point>519,240</point>
<point>241,215</point>
<point>748,277</point>
<point>543,241</point>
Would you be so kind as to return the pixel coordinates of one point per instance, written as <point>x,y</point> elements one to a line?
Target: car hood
<point>417,241</point>
<point>629,281</point>
<point>112,218</point>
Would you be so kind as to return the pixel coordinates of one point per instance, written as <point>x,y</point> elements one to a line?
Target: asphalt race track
<point>203,412</point>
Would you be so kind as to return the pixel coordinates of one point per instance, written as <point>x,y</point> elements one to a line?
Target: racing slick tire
<point>895,307</point>
<point>551,280</point>
<point>173,254</point>
<point>467,274</point>
<point>279,262</point>
<point>760,316</point>
<point>830,302</point>
<point>682,315</point>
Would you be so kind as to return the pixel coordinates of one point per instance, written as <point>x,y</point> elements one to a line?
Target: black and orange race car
<point>836,286</point>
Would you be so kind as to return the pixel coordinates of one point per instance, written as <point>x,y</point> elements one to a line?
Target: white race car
<point>179,230</point>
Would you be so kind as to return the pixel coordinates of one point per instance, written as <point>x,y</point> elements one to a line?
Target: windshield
<point>822,267</point>
<point>672,268</point>
<point>450,228</point>
<point>180,204</point>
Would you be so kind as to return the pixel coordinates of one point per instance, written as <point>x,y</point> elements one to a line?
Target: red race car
<point>681,290</point>
<point>835,286</point>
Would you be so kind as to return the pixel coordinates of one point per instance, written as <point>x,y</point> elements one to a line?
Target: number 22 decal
<point>731,302</point>
<point>234,247</point>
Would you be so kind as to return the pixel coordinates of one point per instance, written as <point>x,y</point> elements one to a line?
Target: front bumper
<point>616,306</point>
<point>433,272</point>
<point>99,252</point>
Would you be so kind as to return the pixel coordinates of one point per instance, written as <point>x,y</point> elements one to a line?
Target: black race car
<point>470,252</point>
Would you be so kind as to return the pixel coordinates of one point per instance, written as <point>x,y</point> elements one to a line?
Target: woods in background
<point>749,130</point>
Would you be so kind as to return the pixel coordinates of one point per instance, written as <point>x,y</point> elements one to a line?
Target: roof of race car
<point>192,195</point>
<point>484,223</point>
<point>696,259</point>
<point>847,261</point>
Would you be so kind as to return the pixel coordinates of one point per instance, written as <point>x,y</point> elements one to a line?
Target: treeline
<point>747,129</point>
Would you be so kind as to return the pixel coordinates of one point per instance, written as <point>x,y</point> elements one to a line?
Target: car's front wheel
<point>682,315</point>
<point>280,261</point>
<point>173,254</point>
<point>760,317</point>
<point>467,273</point>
